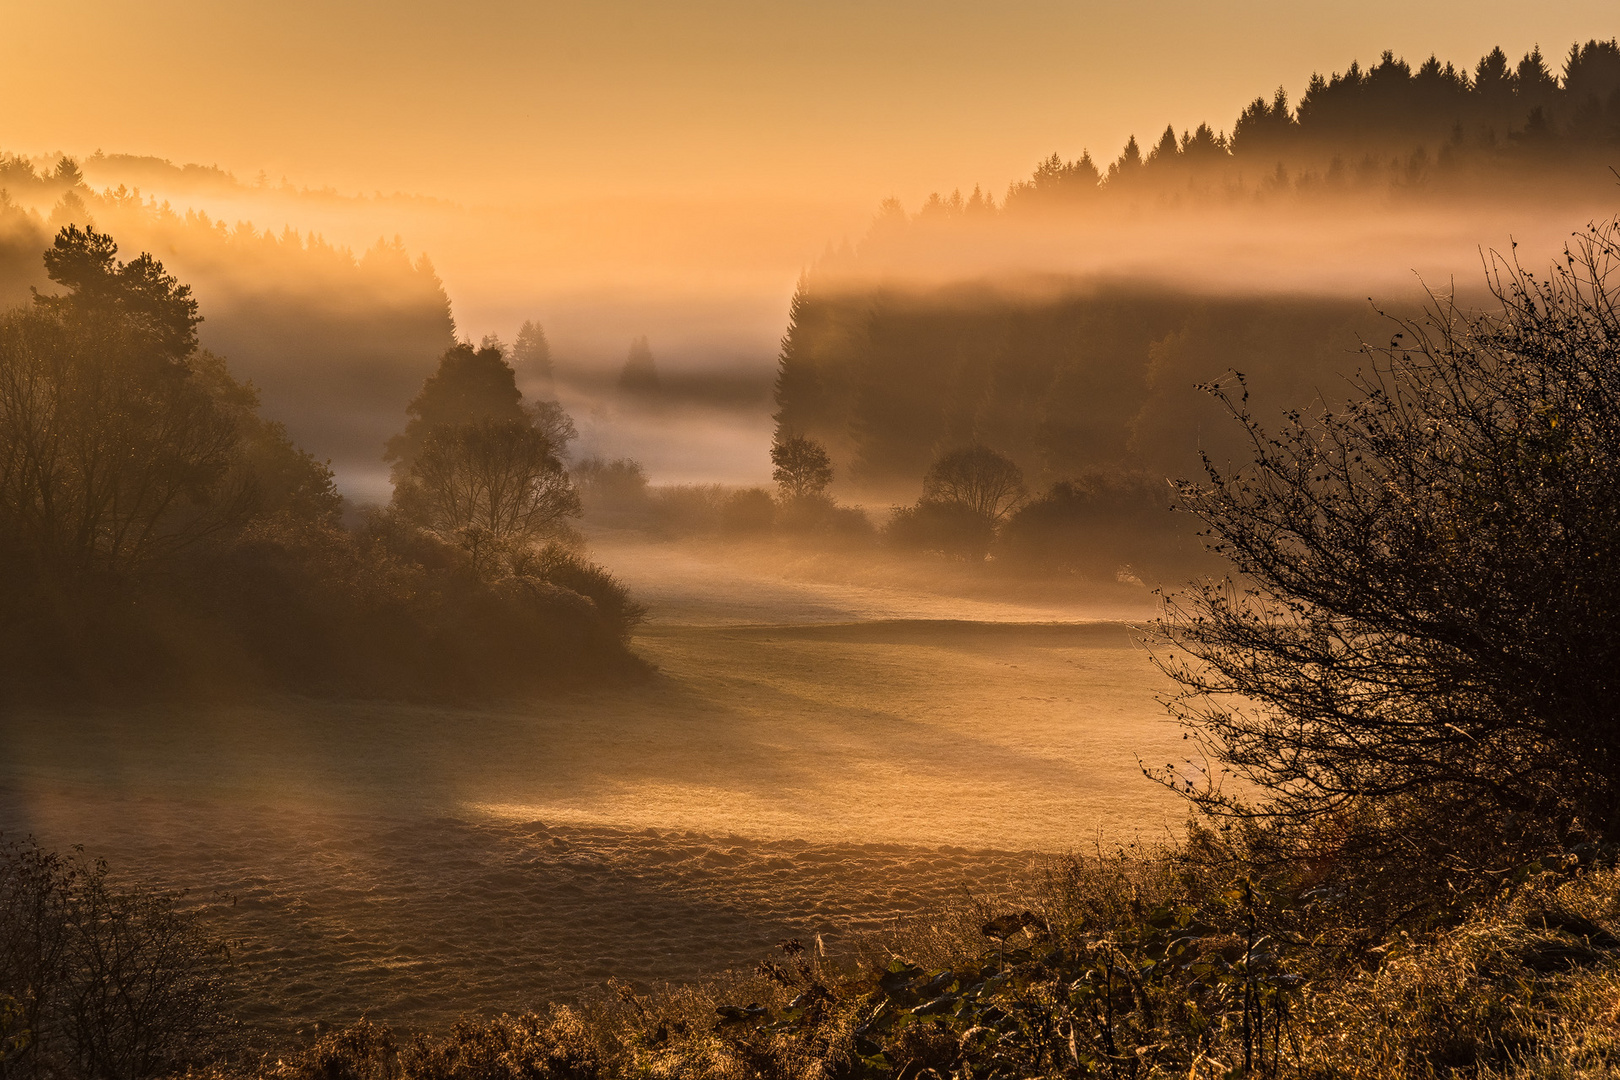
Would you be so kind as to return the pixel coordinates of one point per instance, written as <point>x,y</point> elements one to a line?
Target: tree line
<point>1387,125</point>
<point>1093,390</point>
<point>334,339</point>
<point>160,535</point>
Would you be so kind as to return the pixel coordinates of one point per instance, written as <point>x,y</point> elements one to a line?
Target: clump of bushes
<point>948,529</point>
<point>99,982</point>
<point>157,535</point>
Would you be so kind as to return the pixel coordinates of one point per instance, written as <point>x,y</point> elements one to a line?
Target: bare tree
<point>978,478</point>
<point>555,424</point>
<point>1417,659</point>
<point>103,982</point>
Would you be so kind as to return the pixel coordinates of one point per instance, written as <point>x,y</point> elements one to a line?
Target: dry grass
<point>1526,987</point>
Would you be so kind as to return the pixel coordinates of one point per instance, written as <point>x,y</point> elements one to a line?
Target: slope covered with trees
<point>158,535</point>
<point>332,340</point>
<point>1070,326</point>
<point>1436,128</point>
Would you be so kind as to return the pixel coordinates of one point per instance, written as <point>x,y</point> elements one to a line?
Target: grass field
<point>773,779</point>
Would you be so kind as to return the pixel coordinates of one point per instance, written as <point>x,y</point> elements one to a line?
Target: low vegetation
<point>1177,963</point>
<point>1121,966</point>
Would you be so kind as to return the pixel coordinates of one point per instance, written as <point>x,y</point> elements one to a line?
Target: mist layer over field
<point>811,758</point>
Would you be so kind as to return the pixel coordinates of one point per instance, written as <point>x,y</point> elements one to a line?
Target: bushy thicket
<point>160,536</point>
<point>100,982</point>
<point>1412,669</point>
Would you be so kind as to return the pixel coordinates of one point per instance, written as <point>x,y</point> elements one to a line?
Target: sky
<point>834,103</point>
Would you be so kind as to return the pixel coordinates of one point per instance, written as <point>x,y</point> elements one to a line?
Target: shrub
<point>951,529</point>
<point>1098,524</point>
<point>100,983</point>
<point>613,492</point>
<point>1415,667</point>
<point>749,512</point>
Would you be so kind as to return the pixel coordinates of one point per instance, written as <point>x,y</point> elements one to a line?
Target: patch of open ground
<point>771,780</point>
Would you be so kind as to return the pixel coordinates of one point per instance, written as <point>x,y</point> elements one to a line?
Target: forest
<point>333,341</point>
<point>1438,129</point>
<point>956,327</point>
<point>162,536</point>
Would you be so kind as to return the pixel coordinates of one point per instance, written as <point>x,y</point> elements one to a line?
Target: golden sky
<point>834,100</point>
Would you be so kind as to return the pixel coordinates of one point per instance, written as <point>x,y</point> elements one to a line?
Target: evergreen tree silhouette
<point>639,376</point>
<point>533,354</point>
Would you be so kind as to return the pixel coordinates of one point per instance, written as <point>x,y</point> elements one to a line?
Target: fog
<point>762,659</point>
<point>708,282</point>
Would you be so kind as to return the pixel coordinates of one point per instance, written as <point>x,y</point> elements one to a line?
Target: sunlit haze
<point>744,540</point>
<point>840,102</point>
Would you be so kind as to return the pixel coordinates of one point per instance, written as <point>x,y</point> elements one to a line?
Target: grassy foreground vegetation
<point>1180,963</point>
<point>1123,966</point>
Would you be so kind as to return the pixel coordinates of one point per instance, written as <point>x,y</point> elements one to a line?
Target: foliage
<point>639,376</point>
<point>1097,379</point>
<point>799,466</point>
<point>1102,523</point>
<point>112,453</point>
<point>334,339</point>
<point>98,982</point>
<point>976,478</point>
<point>1413,670</point>
<point>160,536</point>
<point>475,467</point>
<point>564,568</point>
<point>613,488</point>
<point>552,420</point>
<point>487,485</point>
<point>1384,126</point>
<point>532,352</point>
<point>469,386</point>
<point>951,529</point>
<point>749,511</point>
<point>112,457</point>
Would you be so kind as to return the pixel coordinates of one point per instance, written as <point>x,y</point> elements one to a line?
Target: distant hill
<point>1068,325</point>
<point>336,341</point>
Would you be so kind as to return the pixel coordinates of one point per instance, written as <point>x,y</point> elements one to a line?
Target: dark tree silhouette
<point>112,453</point>
<point>978,478</point>
<point>1417,660</point>
<point>489,485</point>
<point>639,376</point>
<point>146,303</point>
<point>553,421</point>
<point>800,467</point>
<point>475,467</point>
<point>469,386</point>
<point>533,355</point>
